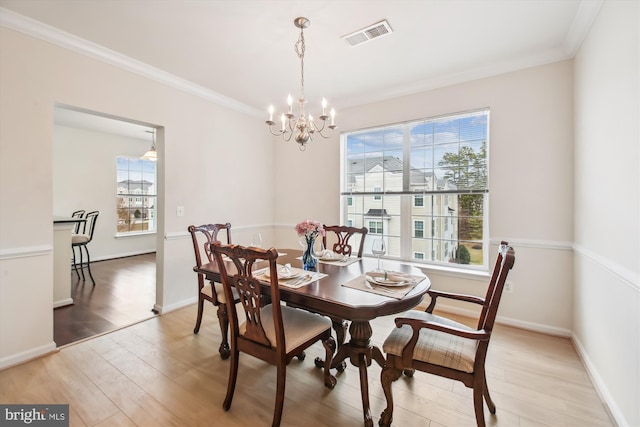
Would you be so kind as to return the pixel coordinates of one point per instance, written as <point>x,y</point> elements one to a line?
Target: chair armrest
<point>460,297</point>
<point>417,324</point>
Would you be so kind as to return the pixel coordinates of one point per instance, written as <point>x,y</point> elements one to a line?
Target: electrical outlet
<point>508,286</point>
<point>180,211</point>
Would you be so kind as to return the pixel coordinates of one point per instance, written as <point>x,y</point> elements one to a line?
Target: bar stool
<point>77,214</point>
<point>80,241</point>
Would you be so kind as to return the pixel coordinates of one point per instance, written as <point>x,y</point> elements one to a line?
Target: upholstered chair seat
<point>299,325</point>
<point>78,239</point>
<point>434,347</point>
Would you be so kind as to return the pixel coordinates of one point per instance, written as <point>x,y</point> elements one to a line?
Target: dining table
<point>337,289</point>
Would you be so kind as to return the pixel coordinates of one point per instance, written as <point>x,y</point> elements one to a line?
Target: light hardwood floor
<point>158,373</point>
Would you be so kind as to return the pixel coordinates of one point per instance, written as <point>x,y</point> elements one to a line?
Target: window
<point>418,229</point>
<point>425,183</point>
<point>375,227</point>
<point>136,197</point>
<point>377,196</point>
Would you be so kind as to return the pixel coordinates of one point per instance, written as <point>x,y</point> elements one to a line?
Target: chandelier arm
<point>277,133</point>
<point>287,133</point>
<point>318,129</point>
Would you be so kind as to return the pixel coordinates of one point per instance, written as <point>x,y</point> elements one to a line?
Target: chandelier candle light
<point>303,127</point>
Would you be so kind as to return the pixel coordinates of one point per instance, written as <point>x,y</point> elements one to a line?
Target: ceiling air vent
<point>374,31</point>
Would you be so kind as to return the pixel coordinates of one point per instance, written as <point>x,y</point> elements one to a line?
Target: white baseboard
<point>529,326</point>
<point>63,302</point>
<point>600,386</point>
<point>173,307</point>
<point>25,356</point>
<point>608,401</point>
<point>122,255</point>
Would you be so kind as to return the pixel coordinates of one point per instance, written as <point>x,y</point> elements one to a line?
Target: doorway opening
<point>87,176</point>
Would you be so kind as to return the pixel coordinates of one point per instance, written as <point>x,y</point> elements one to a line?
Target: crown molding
<point>586,15</point>
<point>47,33</point>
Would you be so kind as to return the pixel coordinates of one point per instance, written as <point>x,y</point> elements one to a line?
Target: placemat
<point>341,263</point>
<point>305,278</point>
<point>398,292</point>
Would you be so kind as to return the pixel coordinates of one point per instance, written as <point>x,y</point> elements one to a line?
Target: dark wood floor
<point>124,294</point>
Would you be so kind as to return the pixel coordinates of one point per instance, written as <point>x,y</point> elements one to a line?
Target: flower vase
<point>309,257</point>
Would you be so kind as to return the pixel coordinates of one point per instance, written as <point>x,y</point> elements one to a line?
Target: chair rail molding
<point>25,252</point>
<point>623,274</point>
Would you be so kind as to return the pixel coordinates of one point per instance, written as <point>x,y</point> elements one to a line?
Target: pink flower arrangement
<point>310,229</point>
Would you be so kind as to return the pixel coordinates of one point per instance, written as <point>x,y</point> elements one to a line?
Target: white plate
<point>282,274</point>
<point>382,282</point>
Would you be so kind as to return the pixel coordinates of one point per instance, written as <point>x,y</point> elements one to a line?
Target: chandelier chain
<point>300,48</point>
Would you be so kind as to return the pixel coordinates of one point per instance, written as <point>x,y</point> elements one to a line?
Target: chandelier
<point>303,127</point>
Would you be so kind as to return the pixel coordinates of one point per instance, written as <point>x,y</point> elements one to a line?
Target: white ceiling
<point>243,49</point>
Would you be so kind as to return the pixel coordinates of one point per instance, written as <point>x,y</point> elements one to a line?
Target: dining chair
<point>272,332</point>
<point>343,235</point>
<point>441,346</point>
<point>80,240</point>
<point>202,236</point>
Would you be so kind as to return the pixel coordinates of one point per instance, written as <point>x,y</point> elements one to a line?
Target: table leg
<point>360,353</point>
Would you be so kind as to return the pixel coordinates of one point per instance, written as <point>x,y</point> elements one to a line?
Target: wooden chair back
<point>493,296</point>
<point>344,234</point>
<point>253,294</point>
<point>203,236</point>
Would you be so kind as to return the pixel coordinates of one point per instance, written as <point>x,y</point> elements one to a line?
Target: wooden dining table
<point>329,297</point>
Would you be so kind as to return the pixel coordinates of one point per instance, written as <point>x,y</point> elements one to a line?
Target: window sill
<point>134,234</point>
<point>479,275</point>
<point>468,274</point>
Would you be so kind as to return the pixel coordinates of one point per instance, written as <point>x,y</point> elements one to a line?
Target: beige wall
<point>201,150</point>
<point>607,214</point>
<point>531,179</point>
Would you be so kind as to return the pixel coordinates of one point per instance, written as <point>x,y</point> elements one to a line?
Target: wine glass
<point>256,240</point>
<point>378,249</point>
<point>320,252</point>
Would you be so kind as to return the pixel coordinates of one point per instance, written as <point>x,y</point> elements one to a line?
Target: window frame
<point>442,224</point>
<point>138,197</point>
